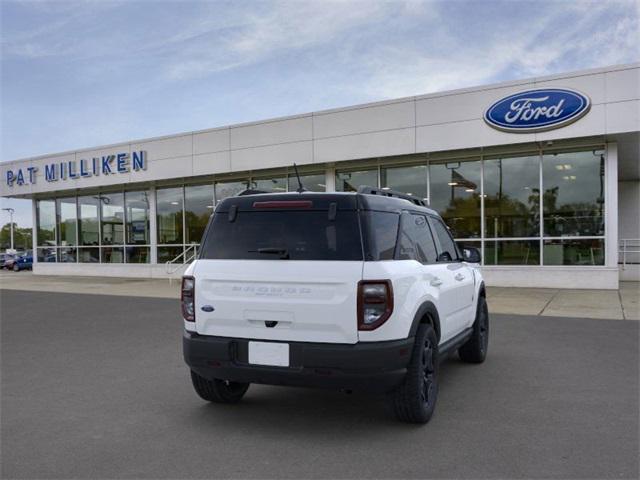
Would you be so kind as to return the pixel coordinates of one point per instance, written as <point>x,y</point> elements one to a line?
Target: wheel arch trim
<point>427,309</point>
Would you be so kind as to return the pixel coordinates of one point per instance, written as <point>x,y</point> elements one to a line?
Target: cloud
<point>526,47</point>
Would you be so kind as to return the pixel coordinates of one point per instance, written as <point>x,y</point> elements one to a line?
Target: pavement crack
<point>550,300</point>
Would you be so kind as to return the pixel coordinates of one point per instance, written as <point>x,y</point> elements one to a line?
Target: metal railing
<point>627,250</point>
<point>188,255</point>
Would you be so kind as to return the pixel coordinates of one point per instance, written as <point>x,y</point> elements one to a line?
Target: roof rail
<point>249,191</point>
<point>391,193</point>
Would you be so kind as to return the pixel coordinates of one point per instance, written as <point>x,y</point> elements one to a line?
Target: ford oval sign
<point>537,110</point>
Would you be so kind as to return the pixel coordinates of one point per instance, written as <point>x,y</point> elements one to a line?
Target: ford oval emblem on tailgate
<point>207,308</point>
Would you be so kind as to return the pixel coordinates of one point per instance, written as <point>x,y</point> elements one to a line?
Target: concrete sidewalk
<point>623,304</point>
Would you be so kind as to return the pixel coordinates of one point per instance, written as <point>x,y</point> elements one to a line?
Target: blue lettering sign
<point>139,160</point>
<point>32,174</point>
<point>83,171</point>
<point>106,164</point>
<point>537,110</point>
<point>70,168</point>
<point>51,173</point>
<point>123,165</point>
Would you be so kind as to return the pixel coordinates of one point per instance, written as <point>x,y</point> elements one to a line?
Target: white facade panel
<point>623,116</point>
<point>271,133</point>
<point>171,147</point>
<point>552,277</point>
<point>591,85</point>
<point>167,168</point>
<point>367,119</point>
<point>211,141</point>
<point>209,163</point>
<point>469,134</point>
<point>272,156</point>
<point>623,85</point>
<point>461,107</point>
<point>593,123</point>
<point>378,144</point>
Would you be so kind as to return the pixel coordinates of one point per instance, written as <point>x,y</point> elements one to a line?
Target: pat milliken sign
<point>117,163</point>
<point>537,110</point>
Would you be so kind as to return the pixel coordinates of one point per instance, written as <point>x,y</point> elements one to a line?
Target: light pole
<point>11,212</point>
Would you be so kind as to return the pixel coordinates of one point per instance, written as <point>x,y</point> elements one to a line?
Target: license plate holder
<point>269,353</point>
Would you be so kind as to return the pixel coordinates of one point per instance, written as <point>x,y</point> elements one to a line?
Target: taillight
<point>188,299</point>
<point>375,303</point>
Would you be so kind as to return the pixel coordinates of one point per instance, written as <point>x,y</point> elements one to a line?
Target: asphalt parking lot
<point>95,387</point>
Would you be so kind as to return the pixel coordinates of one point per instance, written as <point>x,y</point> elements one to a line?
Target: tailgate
<point>307,301</point>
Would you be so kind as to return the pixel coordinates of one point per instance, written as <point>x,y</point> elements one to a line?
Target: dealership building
<point>541,174</point>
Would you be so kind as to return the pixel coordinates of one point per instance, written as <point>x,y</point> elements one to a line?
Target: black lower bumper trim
<point>371,366</point>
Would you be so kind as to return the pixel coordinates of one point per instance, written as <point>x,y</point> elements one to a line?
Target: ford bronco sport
<point>353,291</point>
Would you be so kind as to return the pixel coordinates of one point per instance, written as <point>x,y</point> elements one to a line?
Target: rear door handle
<point>459,277</point>
<point>436,282</point>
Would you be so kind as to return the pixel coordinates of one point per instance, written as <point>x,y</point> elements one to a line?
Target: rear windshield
<point>284,235</point>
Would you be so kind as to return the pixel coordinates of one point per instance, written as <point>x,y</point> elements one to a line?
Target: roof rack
<point>391,193</point>
<point>249,191</point>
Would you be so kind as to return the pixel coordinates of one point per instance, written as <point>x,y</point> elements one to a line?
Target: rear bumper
<point>374,366</point>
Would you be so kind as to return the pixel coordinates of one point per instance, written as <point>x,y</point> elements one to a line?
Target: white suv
<point>353,291</point>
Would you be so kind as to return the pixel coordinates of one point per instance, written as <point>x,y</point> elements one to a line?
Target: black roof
<point>322,200</point>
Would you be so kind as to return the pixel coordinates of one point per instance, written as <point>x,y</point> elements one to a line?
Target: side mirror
<point>471,255</point>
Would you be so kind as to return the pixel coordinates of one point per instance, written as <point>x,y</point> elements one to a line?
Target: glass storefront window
<point>67,254</point>
<point>112,255</point>
<point>47,254</point>
<point>512,197</point>
<point>276,185</point>
<point>169,208</point>
<point>312,183</point>
<point>574,252</point>
<point>573,198</point>
<point>229,189</point>
<point>137,254</point>
<point>112,218</point>
<point>512,252</point>
<point>88,227</point>
<point>198,207</point>
<point>351,181</point>
<point>89,255</point>
<point>46,218</point>
<point>455,195</point>
<point>166,254</point>
<point>137,218</point>
<point>67,221</point>
<point>410,180</point>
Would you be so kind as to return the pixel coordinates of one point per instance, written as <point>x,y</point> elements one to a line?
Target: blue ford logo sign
<point>537,110</point>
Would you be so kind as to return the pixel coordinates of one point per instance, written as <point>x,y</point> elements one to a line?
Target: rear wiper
<point>284,254</point>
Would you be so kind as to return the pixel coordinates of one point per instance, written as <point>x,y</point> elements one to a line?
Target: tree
<point>21,237</point>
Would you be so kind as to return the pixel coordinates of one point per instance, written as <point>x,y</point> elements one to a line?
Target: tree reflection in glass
<point>573,199</point>
<point>512,197</point>
<point>455,195</point>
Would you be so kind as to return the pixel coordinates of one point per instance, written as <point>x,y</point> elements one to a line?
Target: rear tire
<point>16,268</point>
<point>475,349</point>
<point>218,391</point>
<point>414,401</point>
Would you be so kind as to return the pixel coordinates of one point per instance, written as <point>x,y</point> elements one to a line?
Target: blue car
<point>24,262</point>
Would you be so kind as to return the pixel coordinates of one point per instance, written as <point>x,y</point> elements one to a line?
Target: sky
<point>87,73</point>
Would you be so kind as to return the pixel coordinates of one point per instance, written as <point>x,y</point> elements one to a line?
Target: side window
<point>448,250</point>
<point>382,228</point>
<point>424,240</point>
<point>415,241</point>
